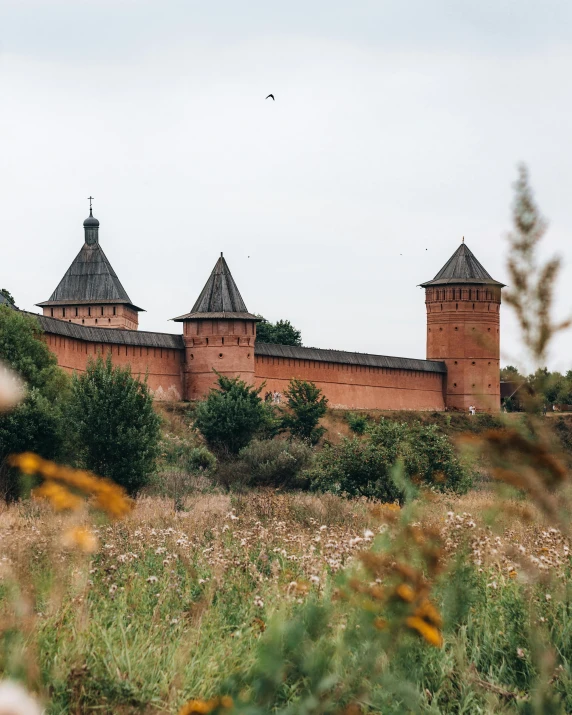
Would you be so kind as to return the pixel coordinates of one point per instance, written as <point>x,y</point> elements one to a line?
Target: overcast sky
<point>397,129</point>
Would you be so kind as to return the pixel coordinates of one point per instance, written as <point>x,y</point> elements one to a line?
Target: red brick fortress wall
<point>163,364</point>
<point>225,345</point>
<point>356,386</point>
<point>463,330</point>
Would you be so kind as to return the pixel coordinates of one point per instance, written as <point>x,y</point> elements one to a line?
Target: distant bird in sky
<point>271,95</point>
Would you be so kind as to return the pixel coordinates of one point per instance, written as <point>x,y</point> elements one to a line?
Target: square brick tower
<point>219,334</point>
<point>463,324</point>
<point>90,292</point>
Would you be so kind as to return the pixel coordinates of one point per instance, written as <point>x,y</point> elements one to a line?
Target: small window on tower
<point>63,312</point>
<point>114,310</point>
<point>52,312</point>
<point>76,312</point>
<point>89,311</point>
<point>102,310</point>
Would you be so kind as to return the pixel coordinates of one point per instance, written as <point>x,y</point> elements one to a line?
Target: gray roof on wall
<point>89,279</point>
<point>220,298</point>
<point>346,358</point>
<point>462,267</point>
<point>111,336</point>
<point>141,338</point>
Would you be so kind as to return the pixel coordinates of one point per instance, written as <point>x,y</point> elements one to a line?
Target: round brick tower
<point>219,334</point>
<point>463,330</point>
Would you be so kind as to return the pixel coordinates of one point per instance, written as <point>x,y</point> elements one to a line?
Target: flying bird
<point>271,95</point>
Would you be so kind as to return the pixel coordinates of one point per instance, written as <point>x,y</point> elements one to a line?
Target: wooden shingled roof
<point>220,298</point>
<point>462,267</point>
<point>347,358</point>
<point>90,279</point>
<point>110,336</point>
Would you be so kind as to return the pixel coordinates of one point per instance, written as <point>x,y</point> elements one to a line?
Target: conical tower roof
<point>220,298</point>
<point>462,267</point>
<point>90,278</point>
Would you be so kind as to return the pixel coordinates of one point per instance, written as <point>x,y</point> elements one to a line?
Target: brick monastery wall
<point>345,386</point>
<point>356,386</point>
<point>163,365</point>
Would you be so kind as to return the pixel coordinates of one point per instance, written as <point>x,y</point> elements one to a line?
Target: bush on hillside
<point>231,415</point>
<point>364,467</point>
<point>307,405</point>
<point>111,413</point>
<point>276,463</point>
<point>357,423</point>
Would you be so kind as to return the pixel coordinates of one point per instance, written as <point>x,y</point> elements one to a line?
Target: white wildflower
<point>15,700</point>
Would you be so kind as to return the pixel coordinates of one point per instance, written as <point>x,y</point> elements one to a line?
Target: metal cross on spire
<point>90,200</point>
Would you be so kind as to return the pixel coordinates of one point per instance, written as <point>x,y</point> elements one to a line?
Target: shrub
<point>117,429</point>
<point>276,463</point>
<point>363,467</point>
<point>357,422</point>
<point>36,424</point>
<point>231,415</point>
<point>307,405</point>
<point>199,459</point>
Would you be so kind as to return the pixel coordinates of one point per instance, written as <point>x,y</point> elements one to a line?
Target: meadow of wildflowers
<point>251,602</point>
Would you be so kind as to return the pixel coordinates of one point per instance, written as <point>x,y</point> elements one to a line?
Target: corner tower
<point>463,330</point>
<point>219,333</point>
<point>90,292</point>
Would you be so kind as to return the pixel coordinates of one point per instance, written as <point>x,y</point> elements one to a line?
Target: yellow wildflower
<point>429,613</point>
<point>27,462</point>
<point>431,634</point>
<point>198,707</point>
<point>512,574</point>
<point>109,497</point>
<point>405,592</point>
<point>82,538</point>
<point>58,496</point>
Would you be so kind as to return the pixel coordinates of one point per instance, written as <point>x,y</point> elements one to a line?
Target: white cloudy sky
<point>396,130</point>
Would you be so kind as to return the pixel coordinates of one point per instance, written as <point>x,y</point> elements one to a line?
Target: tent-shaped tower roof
<point>90,278</point>
<point>462,267</point>
<point>220,298</point>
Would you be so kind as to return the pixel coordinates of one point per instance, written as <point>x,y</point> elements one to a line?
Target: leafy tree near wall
<point>37,423</point>
<point>117,429</point>
<point>281,333</point>
<point>231,415</point>
<point>9,297</point>
<point>307,405</point>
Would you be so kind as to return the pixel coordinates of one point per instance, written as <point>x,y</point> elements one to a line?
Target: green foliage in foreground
<point>112,415</point>
<point>231,415</point>
<point>142,630</point>
<point>307,405</point>
<point>365,466</point>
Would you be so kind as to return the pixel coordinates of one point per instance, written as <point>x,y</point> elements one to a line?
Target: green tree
<point>117,429</point>
<point>23,349</point>
<point>510,373</point>
<point>37,423</point>
<point>307,405</point>
<point>231,415</point>
<point>281,333</point>
<point>9,297</point>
